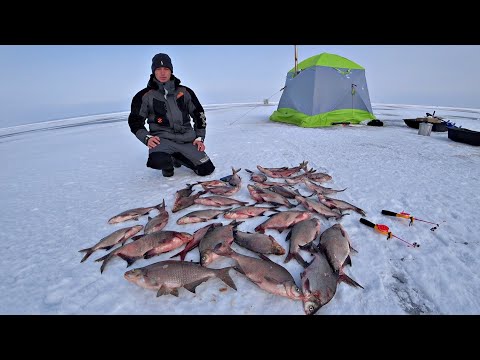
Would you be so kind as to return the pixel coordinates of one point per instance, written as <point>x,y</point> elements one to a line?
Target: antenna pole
<point>296,60</point>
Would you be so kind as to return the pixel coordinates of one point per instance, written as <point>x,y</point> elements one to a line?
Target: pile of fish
<point>287,209</point>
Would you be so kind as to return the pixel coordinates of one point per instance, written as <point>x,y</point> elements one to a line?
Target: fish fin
<point>289,235</point>
<point>315,248</point>
<point>225,277</point>
<point>260,229</point>
<point>306,247</point>
<point>106,259</point>
<point>185,251</point>
<point>160,206</point>
<point>108,247</point>
<point>352,249</point>
<point>280,230</point>
<point>164,290</point>
<point>87,255</point>
<point>264,257</point>
<point>300,260</point>
<point>306,285</point>
<point>191,287</point>
<point>275,204</point>
<point>128,259</point>
<point>348,280</point>
<point>149,218</point>
<point>249,171</point>
<point>348,261</point>
<point>288,257</point>
<point>239,269</point>
<point>149,254</point>
<point>136,237</point>
<point>235,223</point>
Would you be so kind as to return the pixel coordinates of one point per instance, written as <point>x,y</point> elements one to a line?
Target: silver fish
<point>301,234</point>
<point>319,283</point>
<point>223,190</point>
<point>320,189</point>
<point>200,216</point>
<point>221,236</point>
<point>170,275</point>
<point>318,208</point>
<point>246,212</point>
<point>158,222</point>
<point>286,193</point>
<point>274,198</point>
<point>109,241</point>
<point>265,273</point>
<point>235,180</point>
<point>217,200</point>
<point>147,246</point>
<point>186,201</point>
<point>132,214</point>
<point>319,177</point>
<point>336,243</point>
<point>197,236</point>
<point>339,204</point>
<point>283,220</point>
<point>256,177</point>
<point>282,172</point>
<point>259,243</point>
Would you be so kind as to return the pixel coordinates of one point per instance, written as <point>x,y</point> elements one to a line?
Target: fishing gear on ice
<point>385,230</point>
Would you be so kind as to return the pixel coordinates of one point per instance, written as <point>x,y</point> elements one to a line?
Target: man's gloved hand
<point>200,145</point>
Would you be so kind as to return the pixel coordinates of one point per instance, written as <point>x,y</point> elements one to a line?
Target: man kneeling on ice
<point>168,108</point>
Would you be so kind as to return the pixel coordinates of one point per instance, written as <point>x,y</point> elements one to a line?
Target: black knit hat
<point>161,60</point>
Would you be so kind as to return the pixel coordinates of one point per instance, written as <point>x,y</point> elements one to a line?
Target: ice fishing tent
<point>326,89</point>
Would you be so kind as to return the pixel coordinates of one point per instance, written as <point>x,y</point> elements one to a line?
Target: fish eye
<point>204,258</point>
<point>310,308</point>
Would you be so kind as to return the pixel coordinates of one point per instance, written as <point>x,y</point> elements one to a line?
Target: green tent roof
<point>330,60</point>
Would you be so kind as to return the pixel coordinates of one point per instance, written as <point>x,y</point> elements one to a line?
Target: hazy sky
<point>41,83</point>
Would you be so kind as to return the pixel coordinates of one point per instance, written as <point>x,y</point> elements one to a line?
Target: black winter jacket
<point>168,109</point>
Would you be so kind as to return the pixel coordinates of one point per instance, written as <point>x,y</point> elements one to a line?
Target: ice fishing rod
<point>384,229</point>
<point>408,216</point>
<point>234,121</point>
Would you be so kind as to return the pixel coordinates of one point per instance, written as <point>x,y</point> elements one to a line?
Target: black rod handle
<point>389,213</point>
<point>366,222</point>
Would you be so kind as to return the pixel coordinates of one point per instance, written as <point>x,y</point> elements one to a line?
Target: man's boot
<point>176,163</point>
<point>167,172</point>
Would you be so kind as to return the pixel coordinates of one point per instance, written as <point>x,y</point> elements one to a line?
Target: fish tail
<point>88,251</point>
<point>105,259</point>
<point>160,206</point>
<point>360,211</point>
